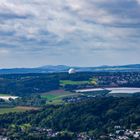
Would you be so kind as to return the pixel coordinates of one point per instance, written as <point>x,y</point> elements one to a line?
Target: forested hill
<point>89,115</point>
<point>28,84</point>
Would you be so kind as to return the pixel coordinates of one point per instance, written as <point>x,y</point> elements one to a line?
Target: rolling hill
<point>64,68</point>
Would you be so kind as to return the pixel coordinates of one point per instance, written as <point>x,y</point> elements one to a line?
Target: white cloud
<point>138,1</point>
<point>77,25</point>
<point>3,51</point>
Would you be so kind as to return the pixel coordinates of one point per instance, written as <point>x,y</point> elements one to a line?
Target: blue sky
<point>70,32</point>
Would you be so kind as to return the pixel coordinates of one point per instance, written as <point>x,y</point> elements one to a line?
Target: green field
<point>16,109</point>
<point>57,95</point>
<point>49,97</point>
<point>69,82</point>
<point>5,94</point>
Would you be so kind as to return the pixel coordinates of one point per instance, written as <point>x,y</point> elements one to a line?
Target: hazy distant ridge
<point>64,68</point>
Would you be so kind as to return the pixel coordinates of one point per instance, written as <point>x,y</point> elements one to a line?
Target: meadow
<point>56,96</point>
<point>16,109</point>
<point>69,82</point>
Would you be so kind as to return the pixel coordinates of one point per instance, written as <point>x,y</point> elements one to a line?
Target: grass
<point>56,96</point>
<point>69,82</point>
<point>16,109</point>
<point>5,95</point>
<point>56,102</point>
<point>49,97</point>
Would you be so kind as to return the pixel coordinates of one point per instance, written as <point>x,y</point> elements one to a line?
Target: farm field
<point>16,109</point>
<point>69,82</point>
<point>5,95</point>
<point>57,95</point>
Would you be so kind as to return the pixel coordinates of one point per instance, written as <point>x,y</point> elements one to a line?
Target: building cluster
<point>51,133</point>
<point>3,138</point>
<point>121,133</point>
<point>76,99</point>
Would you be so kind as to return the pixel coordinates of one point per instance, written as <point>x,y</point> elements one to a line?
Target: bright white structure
<point>8,97</point>
<point>112,90</point>
<point>72,71</point>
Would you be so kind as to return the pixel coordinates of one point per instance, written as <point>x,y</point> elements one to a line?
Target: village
<point>120,133</point>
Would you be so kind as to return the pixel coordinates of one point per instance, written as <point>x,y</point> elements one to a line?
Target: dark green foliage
<point>99,115</point>
<point>35,101</point>
<point>25,85</point>
<point>28,84</point>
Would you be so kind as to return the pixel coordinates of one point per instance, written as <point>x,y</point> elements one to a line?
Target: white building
<point>72,71</point>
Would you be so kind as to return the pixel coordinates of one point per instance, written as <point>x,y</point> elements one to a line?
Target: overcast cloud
<point>71,32</point>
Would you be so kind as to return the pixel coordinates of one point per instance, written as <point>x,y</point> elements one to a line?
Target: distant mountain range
<point>64,68</point>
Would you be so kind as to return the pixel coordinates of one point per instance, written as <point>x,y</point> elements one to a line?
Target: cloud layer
<point>72,32</point>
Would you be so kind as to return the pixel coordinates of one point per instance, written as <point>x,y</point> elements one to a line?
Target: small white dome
<point>72,71</point>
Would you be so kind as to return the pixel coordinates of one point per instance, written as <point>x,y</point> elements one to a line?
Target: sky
<point>69,32</point>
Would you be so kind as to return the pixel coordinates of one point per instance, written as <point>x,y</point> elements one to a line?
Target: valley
<point>69,106</point>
